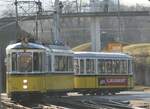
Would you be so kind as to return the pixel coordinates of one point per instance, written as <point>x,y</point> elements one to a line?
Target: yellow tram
<point>102,73</point>
<point>34,70</point>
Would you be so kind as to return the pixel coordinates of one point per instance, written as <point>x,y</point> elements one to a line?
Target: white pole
<point>56,22</point>
<point>95,30</point>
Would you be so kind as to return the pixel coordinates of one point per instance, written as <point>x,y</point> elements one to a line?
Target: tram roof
<point>28,45</point>
<point>101,55</point>
<point>60,49</point>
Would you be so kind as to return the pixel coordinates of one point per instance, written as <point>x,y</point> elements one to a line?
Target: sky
<point>134,2</point>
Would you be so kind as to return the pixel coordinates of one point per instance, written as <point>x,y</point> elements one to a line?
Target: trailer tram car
<point>34,70</point>
<point>102,73</point>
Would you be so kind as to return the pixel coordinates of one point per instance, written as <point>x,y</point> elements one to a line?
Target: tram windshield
<point>26,62</point>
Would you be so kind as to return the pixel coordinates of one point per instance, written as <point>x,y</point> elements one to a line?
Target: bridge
<point>81,14</point>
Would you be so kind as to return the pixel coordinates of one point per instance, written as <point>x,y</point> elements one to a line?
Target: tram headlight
<point>25,86</point>
<point>25,81</point>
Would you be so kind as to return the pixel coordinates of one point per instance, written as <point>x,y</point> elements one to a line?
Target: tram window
<point>14,62</point>
<point>121,66</point>
<point>117,67</point>
<point>76,66</point>
<point>114,66</point>
<point>125,66</point>
<point>63,63</point>
<point>90,66</point>
<point>59,63</point>
<point>49,63</point>
<point>37,61</point>
<point>129,66</point>
<point>108,66</point>
<point>25,62</point>
<point>82,66</point>
<point>101,66</point>
<point>70,63</point>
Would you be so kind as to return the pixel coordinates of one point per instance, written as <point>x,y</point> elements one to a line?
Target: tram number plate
<point>106,81</point>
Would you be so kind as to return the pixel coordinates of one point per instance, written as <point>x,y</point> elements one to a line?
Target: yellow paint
<point>34,83</point>
<point>40,83</point>
<point>130,82</point>
<point>59,81</point>
<point>91,81</point>
<point>56,82</point>
<point>85,81</point>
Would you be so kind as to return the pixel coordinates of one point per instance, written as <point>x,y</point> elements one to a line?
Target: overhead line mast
<point>56,22</point>
<point>17,25</point>
<point>38,12</point>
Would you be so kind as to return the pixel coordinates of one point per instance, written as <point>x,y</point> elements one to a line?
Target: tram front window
<point>25,62</point>
<point>37,61</point>
<point>14,61</point>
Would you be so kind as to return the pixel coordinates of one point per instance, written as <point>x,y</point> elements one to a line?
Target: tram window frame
<point>129,67</point>
<point>70,63</point>
<point>108,66</point>
<point>117,70</point>
<point>125,64</point>
<point>62,63</point>
<point>76,66</point>
<point>19,65</point>
<point>90,66</point>
<point>82,66</point>
<point>101,69</point>
<point>113,66</point>
<point>49,62</point>
<point>14,62</point>
<point>38,58</point>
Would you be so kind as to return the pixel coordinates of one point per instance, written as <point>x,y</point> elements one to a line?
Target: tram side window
<point>58,63</point>
<point>117,67</point>
<point>108,67</point>
<point>76,66</point>
<point>14,62</point>
<point>82,66</point>
<point>63,63</point>
<point>37,61</point>
<point>124,67</point>
<point>129,67</point>
<point>49,63</point>
<point>114,67</point>
<point>70,63</point>
<point>101,66</point>
<point>90,66</point>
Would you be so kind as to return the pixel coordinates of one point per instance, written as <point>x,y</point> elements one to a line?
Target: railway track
<point>81,102</point>
<point>87,103</point>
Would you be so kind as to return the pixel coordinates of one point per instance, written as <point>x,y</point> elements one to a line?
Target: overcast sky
<point>134,2</point>
<point>4,4</point>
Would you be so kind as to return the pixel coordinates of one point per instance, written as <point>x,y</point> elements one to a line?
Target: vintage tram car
<point>102,73</point>
<point>34,70</point>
